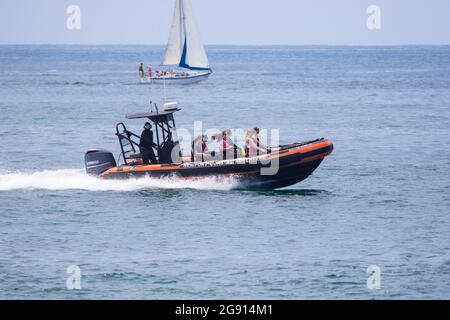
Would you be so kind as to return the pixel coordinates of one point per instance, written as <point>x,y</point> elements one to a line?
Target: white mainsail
<point>174,47</point>
<point>185,47</point>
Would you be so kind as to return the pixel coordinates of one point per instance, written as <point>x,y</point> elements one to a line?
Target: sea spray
<point>77,179</point>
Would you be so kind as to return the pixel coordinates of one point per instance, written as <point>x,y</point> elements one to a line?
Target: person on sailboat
<point>146,145</point>
<point>150,72</point>
<point>141,71</point>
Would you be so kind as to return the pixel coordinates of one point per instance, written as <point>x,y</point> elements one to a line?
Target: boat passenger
<point>213,146</point>
<point>261,144</point>
<point>226,146</point>
<point>146,145</point>
<point>141,70</point>
<point>200,148</point>
<point>251,147</point>
<point>150,72</point>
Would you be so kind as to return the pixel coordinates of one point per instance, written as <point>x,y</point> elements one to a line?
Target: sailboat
<point>185,52</point>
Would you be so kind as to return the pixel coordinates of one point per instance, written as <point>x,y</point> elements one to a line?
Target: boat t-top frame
<point>165,129</point>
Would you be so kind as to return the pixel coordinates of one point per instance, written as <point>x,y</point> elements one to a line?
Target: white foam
<point>77,179</point>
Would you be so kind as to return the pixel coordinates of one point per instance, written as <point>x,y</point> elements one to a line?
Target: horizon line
<point>231,45</point>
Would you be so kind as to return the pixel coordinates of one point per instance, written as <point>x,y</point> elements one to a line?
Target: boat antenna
<point>164,89</point>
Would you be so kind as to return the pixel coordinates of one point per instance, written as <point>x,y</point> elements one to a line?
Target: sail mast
<point>182,27</point>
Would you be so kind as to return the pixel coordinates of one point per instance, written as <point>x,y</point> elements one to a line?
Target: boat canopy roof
<point>156,116</point>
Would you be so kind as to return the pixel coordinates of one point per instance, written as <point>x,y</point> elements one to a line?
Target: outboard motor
<point>98,161</point>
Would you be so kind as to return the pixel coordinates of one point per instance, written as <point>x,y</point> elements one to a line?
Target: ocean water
<point>382,198</point>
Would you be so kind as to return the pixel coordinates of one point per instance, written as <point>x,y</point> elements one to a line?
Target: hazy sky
<point>294,22</point>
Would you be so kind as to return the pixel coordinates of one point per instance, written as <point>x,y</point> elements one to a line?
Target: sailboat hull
<point>178,78</point>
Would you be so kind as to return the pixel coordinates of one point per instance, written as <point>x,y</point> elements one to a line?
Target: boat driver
<point>146,145</point>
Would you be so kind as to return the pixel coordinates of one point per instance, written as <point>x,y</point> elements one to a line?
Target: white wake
<point>77,179</point>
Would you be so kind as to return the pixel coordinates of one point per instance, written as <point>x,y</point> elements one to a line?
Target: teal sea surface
<point>382,198</point>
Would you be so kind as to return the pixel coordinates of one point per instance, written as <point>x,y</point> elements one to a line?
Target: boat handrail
<point>124,134</point>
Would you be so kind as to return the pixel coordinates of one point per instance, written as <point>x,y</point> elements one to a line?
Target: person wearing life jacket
<point>226,146</point>
<point>261,144</point>
<point>251,147</point>
<point>200,148</point>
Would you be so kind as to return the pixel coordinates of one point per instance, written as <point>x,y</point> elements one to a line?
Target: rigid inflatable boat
<point>286,166</point>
